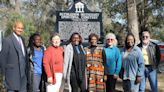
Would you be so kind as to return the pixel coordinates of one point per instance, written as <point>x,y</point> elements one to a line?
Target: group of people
<point>76,68</point>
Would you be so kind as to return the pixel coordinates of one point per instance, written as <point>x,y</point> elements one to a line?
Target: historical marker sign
<point>79,19</point>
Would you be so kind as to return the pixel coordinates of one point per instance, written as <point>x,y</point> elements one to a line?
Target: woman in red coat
<point>53,64</point>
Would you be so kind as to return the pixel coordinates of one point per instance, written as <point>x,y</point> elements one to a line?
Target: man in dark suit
<point>13,60</point>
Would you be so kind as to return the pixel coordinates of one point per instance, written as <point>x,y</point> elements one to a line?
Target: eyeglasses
<point>110,39</point>
<point>145,37</point>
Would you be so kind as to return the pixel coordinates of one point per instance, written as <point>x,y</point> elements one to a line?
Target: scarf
<point>79,60</point>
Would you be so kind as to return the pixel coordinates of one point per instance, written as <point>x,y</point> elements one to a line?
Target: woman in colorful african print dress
<point>95,68</point>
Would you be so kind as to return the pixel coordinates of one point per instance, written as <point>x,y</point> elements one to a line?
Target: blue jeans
<point>151,74</point>
<point>130,86</point>
<point>36,82</point>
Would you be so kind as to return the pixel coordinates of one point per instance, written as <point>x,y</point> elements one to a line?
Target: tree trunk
<point>132,19</point>
<point>17,6</point>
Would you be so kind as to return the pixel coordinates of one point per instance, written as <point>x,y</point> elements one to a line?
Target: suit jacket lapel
<point>15,43</point>
<point>25,51</point>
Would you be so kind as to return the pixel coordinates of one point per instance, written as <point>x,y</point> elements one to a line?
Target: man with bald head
<point>13,60</point>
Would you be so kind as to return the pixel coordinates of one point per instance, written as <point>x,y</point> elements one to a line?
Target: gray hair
<point>113,36</point>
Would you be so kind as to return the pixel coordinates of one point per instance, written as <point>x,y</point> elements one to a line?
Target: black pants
<point>110,83</point>
<point>76,85</point>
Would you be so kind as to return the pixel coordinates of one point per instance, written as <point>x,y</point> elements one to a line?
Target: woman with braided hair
<point>35,52</point>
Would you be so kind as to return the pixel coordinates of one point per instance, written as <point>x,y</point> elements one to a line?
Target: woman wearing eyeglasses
<point>112,61</point>
<point>53,64</point>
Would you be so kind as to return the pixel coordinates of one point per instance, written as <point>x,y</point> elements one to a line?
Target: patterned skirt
<point>95,77</point>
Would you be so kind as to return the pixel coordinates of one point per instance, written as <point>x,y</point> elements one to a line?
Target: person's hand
<point>105,77</point>
<point>115,76</point>
<point>138,80</point>
<point>49,80</point>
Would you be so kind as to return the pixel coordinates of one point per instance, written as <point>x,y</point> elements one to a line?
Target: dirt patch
<point>119,84</point>
<point>160,84</point>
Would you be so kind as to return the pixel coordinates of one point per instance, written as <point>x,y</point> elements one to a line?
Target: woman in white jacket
<point>74,64</point>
